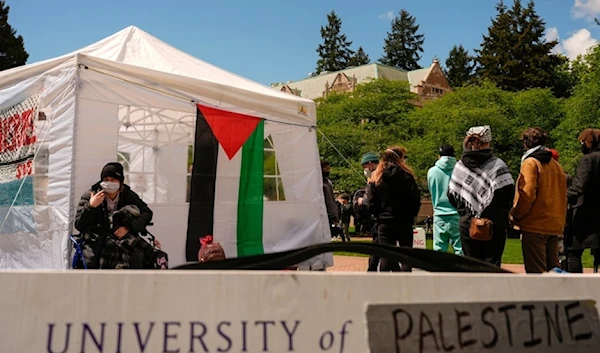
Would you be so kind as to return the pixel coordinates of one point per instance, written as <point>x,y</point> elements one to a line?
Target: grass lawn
<point>512,252</point>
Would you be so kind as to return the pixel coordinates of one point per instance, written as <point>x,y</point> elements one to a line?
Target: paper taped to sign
<point>419,238</point>
<point>419,242</point>
<point>542,326</point>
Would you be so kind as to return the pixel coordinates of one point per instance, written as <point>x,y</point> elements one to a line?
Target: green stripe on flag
<point>250,200</point>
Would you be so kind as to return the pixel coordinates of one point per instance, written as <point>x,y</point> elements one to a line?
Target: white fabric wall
<point>301,220</point>
<point>35,237</point>
<point>96,136</point>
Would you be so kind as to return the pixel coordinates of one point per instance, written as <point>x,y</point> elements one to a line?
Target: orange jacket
<point>540,204</point>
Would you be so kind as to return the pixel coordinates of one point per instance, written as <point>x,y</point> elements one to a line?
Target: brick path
<point>359,264</point>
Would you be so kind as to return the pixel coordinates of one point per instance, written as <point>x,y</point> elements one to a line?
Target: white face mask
<point>367,172</point>
<point>110,186</point>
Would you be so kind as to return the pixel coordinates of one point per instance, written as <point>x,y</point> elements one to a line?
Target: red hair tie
<point>206,240</point>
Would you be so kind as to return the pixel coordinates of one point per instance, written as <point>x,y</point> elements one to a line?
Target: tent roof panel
<point>134,47</point>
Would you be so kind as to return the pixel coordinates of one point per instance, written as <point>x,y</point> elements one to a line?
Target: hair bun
<point>206,240</point>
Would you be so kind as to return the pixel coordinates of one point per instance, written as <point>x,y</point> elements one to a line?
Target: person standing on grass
<point>446,229</point>
<point>345,210</point>
<point>482,187</point>
<point>369,162</point>
<point>362,217</point>
<point>394,199</point>
<point>330,204</point>
<point>540,204</point>
<point>584,201</point>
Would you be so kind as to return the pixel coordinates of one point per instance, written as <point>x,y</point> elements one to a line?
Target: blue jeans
<point>446,230</point>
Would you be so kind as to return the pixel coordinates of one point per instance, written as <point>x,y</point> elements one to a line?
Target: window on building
<point>273,186</point>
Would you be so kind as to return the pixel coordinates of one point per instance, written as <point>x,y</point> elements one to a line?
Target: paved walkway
<point>359,264</point>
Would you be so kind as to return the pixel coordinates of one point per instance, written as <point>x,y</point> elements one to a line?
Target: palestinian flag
<point>226,198</point>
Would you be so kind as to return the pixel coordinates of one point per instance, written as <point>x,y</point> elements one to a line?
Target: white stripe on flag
<point>226,201</point>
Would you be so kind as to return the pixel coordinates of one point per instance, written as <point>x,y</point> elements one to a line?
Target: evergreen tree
<point>334,53</point>
<point>403,45</point>
<point>459,66</point>
<point>495,58</point>
<point>515,55</point>
<point>12,50</point>
<point>360,58</point>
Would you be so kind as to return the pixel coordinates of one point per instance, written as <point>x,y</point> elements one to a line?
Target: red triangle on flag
<point>232,130</point>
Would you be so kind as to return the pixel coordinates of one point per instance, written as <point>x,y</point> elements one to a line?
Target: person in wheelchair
<point>110,217</point>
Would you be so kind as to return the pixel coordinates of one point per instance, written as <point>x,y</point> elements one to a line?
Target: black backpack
<point>154,258</point>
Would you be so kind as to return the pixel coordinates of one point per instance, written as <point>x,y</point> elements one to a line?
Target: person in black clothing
<point>428,222</point>
<point>330,204</point>
<point>345,211</point>
<point>394,199</point>
<point>482,186</point>
<point>106,223</point>
<point>584,202</point>
<point>363,219</point>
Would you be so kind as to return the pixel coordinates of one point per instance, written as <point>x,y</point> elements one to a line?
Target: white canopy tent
<point>133,98</point>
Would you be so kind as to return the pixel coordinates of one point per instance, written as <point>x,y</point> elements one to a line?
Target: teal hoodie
<point>438,179</point>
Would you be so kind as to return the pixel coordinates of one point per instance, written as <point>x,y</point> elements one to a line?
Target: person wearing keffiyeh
<point>482,186</point>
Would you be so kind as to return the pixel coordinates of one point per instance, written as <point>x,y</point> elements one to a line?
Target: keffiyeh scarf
<point>476,187</point>
<point>485,132</point>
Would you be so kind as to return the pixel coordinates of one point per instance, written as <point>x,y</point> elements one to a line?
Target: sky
<point>272,41</point>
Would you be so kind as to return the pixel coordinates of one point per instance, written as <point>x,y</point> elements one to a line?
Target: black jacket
<point>497,211</point>
<point>330,203</point>
<point>96,219</point>
<point>584,198</point>
<point>396,200</point>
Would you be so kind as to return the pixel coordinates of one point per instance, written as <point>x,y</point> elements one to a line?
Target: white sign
<point>257,312</point>
<point>419,242</point>
<point>549,327</point>
<point>419,238</point>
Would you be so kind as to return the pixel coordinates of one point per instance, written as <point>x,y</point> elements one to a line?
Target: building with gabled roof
<point>427,83</point>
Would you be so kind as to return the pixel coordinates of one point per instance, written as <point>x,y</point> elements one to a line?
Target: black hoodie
<point>396,200</point>
<point>543,155</point>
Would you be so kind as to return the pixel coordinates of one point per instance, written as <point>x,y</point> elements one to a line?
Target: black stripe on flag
<point>202,194</point>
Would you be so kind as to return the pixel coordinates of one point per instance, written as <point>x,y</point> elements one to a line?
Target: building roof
<point>415,77</point>
<point>313,87</point>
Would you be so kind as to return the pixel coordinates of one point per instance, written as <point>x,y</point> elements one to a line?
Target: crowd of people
<point>476,201</point>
